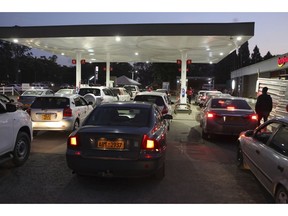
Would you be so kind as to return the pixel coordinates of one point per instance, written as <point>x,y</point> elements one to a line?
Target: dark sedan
<point>226,116</point>
<point>120,139</point>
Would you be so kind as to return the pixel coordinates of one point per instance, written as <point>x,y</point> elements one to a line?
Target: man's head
<point>264,90</point>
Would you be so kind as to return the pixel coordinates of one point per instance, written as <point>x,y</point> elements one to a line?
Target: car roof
<point>152,93</point>
<point>135,104</point>
<point>61,95</point>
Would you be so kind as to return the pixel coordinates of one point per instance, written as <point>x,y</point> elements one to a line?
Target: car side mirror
<point>249,133</point>
<point>11,107</point>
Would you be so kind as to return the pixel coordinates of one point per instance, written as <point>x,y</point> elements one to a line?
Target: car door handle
<point>257,151</point>
<point>280,168</point>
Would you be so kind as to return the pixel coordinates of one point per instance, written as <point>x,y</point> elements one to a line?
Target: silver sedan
<point>265,152</point>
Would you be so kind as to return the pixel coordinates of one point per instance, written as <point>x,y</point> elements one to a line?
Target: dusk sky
<point>270,27</point>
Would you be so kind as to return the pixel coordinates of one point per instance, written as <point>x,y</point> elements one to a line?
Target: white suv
<point>97,94</point>
<point>16,134</point>
<point>134,89</point>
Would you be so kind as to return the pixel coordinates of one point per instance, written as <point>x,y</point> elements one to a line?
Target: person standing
<point>189,94</point>
<point>263,105</point>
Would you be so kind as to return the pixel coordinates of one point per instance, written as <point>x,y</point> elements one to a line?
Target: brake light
<point>28,111</point>
<point>230,107</point>
<point>210,115</point>
<point>67,112</point>
<point>149,144</point>
<point>164,110</point>
<point>73,141</point>
<point>254,117</point>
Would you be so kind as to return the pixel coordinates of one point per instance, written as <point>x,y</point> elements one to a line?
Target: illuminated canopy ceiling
<point>204,43</point>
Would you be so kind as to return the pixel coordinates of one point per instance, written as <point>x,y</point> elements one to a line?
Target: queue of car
<point>128,138</point>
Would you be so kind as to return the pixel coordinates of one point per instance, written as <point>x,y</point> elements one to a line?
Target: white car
<point>158,98</point>
<point>265,152</point>
<point>66,91</point>
<point>16,134</point>
<point>122,93</point>
<point>58,112</point>
<point>134,89</point>
<point>28,96</point>
<point>97,94</point>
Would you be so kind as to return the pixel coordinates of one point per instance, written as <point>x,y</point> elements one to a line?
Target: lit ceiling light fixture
<point>221,54</point>
<point>136,53</point>
<point>118,38</point>
<point>239,38</point>
<point>93,59</point>
<point>211,62</point>
<point>91,53</point>
<point>90,50</point>
<point>62,53</point>
<point>208,49</point>
<point>15,40</point>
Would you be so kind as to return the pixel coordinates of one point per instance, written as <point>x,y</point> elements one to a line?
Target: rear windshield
<point>229,103</point>
<point>50,103</point>
<point>84,91</point>
<point>119,116</point>
<point>158,100</point>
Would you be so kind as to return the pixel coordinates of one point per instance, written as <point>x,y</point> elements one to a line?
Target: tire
<point>21,150</point>
<point>160,173</point>
<point>281,195</point>
<point>76,125</point>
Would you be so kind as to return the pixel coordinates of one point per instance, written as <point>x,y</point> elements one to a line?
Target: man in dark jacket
<point>263,105</point>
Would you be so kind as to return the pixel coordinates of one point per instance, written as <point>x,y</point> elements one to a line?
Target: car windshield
<point>119,116</point>
<point>94,91</point>
<point>158,100</point>
<point>33,92</point>
<point>50,103</point>
<point>229,103</point>
<point>65,91</point>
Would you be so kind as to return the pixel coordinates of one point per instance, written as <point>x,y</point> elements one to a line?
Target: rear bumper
<point>106,167</point>
<point>64,125</point>
<point>214,128</point>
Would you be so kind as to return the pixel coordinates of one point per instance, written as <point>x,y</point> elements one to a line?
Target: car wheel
<point>281,195</point>
<point>21,150</point>
<point>160,173</point>
<point>76,125</point>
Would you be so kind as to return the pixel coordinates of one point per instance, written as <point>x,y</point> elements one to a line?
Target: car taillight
<point>73,141</point>
<point>149,144</point>
<point>210,115</point>
<point>165,110</point>
<point>67,112</point>
<point>254,117</point>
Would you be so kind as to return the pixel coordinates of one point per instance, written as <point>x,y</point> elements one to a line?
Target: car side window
<point>280,141</point>
<point>264,133</point>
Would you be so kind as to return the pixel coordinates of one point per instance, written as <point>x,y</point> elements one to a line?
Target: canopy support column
<point>183,96</point>
<point>78,70</point>
<point>108,71</point>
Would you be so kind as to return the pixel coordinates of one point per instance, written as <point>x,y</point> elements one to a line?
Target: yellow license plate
<point>46,117</point>
<point>110,144</point>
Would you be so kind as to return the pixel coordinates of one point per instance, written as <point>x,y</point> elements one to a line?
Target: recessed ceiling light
<point>15,40</point>
<point>118,38</point>
<point>208,49</point>
<point>90,50</point>
<point>63,54</point>
<point>239,38</point>
<point>136,53</point>
<point>221,54</point>
<point>91,53</point>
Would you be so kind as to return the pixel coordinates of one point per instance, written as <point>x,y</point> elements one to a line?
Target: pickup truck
<point>16,134</point>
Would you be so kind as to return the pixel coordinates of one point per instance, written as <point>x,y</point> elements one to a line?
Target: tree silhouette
<point>256,56</point>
